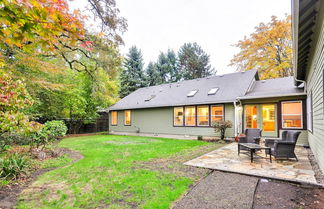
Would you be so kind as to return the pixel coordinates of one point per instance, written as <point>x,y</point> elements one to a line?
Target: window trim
<point>309,112</point>
<point>130,118</point>
<point>302,115</point>
<point>210,113</point>
<point>111,118</point>
<point>183,117</point>
<point>197,116</point>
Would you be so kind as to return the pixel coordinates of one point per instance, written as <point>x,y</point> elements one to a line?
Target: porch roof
<point>278,87</point>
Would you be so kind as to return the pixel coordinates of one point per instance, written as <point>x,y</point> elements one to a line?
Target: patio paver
<point>227,159</point>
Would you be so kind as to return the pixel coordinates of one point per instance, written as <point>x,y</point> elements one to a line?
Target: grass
<point>56,162</point>
<point>110,175</point>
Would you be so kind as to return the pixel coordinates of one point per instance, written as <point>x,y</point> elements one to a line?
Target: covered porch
<point>227,159</point>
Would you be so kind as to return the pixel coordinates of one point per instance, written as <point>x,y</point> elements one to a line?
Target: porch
<point>227,159</point>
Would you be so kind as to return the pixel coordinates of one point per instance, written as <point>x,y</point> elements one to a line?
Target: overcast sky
<point>156,25</point>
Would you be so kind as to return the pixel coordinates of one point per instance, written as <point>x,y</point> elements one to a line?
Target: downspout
<point>235,119</point>
<point>304,82</point>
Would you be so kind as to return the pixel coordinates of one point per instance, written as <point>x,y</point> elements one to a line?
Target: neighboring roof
<point>230,86</point>
<point>278,87</point>
<point>305,14</point>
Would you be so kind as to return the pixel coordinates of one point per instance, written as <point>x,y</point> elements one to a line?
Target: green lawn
<point>116,173</point>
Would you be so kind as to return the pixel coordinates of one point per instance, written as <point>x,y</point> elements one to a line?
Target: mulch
<point>274,194</point>
<point>10,193</point>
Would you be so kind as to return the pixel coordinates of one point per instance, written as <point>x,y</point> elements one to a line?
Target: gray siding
<point>160,121</point>
<point>315,86</point>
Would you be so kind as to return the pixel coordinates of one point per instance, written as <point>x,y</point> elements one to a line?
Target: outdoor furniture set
<point>283,147</point>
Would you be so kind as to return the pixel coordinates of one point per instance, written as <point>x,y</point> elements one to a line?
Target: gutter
<point>270,96</point>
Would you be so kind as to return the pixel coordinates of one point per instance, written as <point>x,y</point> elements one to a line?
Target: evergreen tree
<point>132,76</point>
<point>194,61</point>
<point>152,75</point>
<point>173,65</point>
<point>167,67</point>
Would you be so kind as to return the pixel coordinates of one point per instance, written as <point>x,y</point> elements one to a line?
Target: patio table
<point>252,148</point>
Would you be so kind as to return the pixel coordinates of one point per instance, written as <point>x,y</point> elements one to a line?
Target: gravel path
<point>220,190</point>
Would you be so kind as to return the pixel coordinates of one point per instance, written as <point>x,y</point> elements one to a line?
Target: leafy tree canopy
<point>268,49</point>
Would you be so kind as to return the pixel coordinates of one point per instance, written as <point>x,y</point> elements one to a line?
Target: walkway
<point>221,190</point>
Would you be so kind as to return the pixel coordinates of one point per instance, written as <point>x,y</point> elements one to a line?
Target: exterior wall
<point>160,121</point>
<point>314,81</point>
<point>303,138</point>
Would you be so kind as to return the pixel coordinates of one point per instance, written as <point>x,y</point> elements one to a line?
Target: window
<point>212,91</point>
<point>178,116</point>
<point>127,117</point>
<point>192,93</point>
<point>310,112</point>
<point>217,113</point>
<point>292,114</point>
<point>114,118</point>
<point>203,115</point>
<point>268,117</point>
<point>149,98</point>
<point>251,119</point>
<point>190,116</point>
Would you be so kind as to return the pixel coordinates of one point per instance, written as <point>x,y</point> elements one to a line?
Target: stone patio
<point>227,159</point>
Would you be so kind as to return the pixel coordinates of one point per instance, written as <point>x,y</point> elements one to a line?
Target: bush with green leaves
<point>221,126</point>
<point>55,129</point>
<point>51,131</point>
<point>13,165</point>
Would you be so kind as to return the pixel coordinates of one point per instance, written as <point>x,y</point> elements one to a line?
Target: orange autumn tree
<point>39,38</point>
<point>268,50</point>
<point>29,28</point>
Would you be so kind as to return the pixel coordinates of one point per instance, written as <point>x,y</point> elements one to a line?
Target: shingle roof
<point>230,86</point>
<point>274,88</point>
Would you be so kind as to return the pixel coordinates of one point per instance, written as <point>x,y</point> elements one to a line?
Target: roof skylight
<point>192,93</point>
<point>212,91</point>
<point>149,98</point>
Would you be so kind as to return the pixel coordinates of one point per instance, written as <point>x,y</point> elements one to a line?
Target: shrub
<point>51,131</point>
<point>221,126</point>
<point>200,138</point>
<point>13,165</point>
<point>55,129</point>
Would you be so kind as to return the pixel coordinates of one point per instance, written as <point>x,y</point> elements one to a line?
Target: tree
<point>13,100</point>
<point>45,47</point>
<point>132,77</point>
<point>268,50</point>
<point>167,66</point>
<point>152,75</point>
<point>221,126</point>
<point>194,62</point>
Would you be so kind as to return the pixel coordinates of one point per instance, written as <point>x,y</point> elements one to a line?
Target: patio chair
<point>252,135</point>
<point>284,147</point>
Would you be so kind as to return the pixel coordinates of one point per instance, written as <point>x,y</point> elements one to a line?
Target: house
<point>291,103</point>
<point>308,44</point>
<point>190,107</point>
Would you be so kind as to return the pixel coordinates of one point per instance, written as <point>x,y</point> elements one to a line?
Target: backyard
<point>118,172</point>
